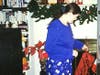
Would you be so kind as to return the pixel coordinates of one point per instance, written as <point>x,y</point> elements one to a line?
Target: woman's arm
<point>79,45</point>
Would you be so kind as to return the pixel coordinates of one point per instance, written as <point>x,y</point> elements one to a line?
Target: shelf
<point>13,8</point>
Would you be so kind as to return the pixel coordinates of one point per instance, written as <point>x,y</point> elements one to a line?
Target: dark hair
<point>71,7</point>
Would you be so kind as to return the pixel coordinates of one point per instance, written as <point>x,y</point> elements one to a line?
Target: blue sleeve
<point>78,44</point>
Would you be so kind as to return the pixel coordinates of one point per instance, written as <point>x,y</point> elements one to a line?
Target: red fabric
<point>94,66</point>
<point>85,63</point>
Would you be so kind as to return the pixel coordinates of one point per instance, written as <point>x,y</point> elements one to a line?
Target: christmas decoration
<point>30,50</point>
<point>43,11</point>
<point>88,14</point>
<point>37,47</point>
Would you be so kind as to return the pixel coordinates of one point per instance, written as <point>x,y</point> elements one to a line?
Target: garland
<point>46,11</point>
<point>89,14</point>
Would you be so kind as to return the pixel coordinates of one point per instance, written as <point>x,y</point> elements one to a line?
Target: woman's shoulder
<point>54,23</point>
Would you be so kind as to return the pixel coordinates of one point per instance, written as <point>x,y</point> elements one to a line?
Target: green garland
<point>41,11</point>
<point>88,14</point>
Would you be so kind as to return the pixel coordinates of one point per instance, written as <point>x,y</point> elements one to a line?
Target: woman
<point>60,43</point>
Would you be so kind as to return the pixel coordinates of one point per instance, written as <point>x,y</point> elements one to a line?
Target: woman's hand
<point>85,48</point>
<point>75,53</point>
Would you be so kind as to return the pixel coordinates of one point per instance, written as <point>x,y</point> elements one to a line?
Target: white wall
<point>85,31</point>
<point>40,29</point>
